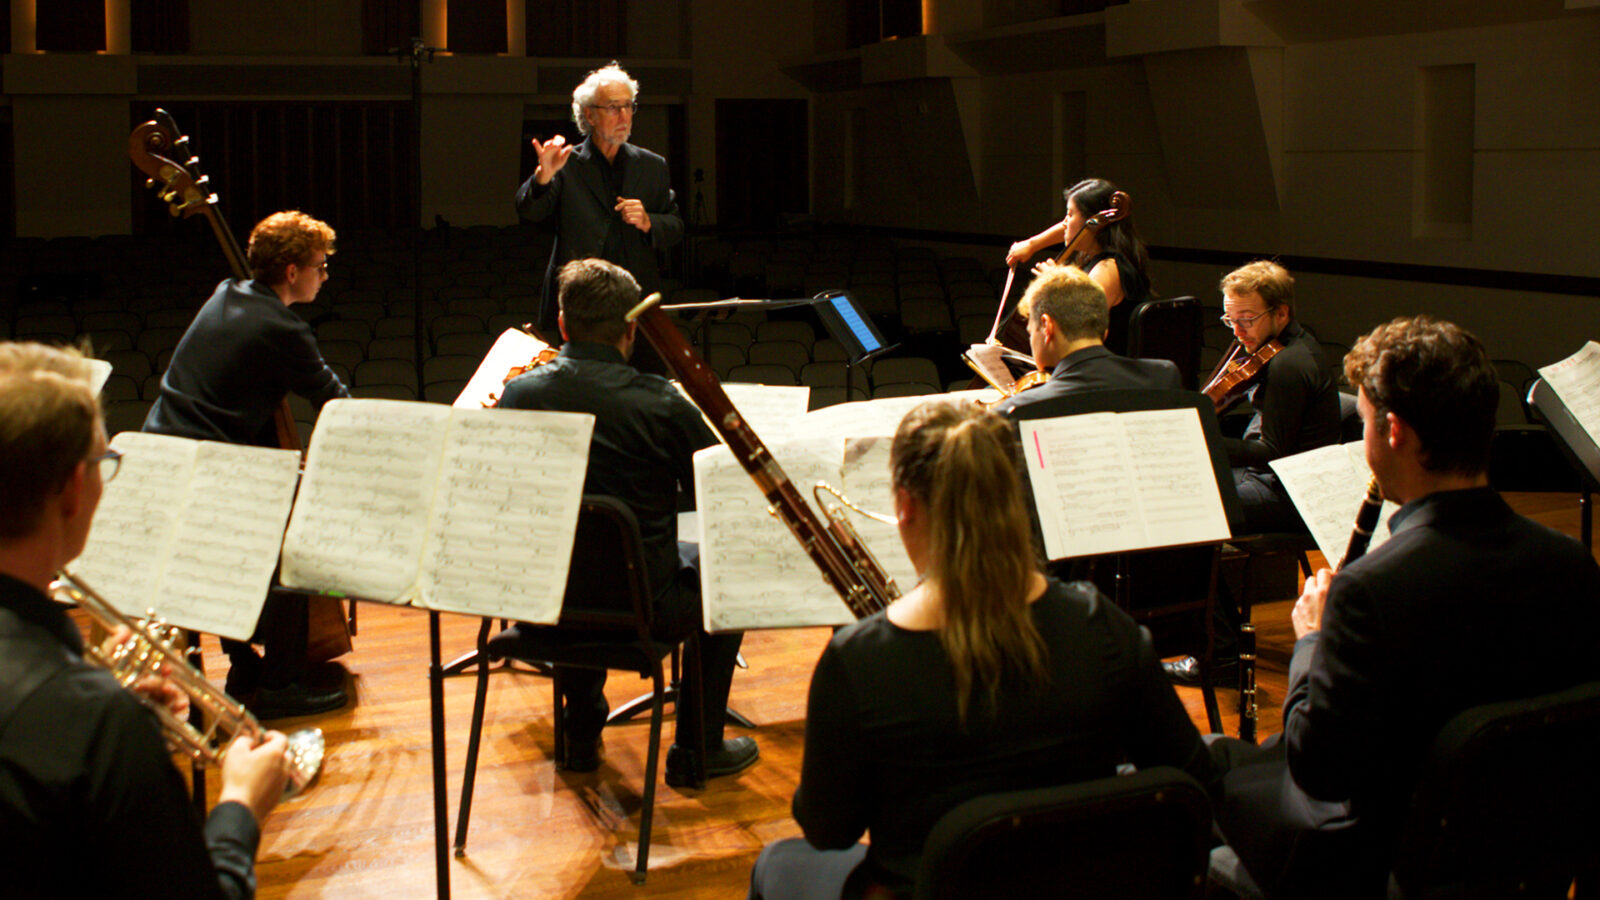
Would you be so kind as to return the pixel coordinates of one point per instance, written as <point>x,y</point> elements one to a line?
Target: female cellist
<point>1115,257</point>
<point>985,677</point>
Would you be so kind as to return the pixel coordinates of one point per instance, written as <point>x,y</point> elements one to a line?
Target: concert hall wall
<point>1405,157</point>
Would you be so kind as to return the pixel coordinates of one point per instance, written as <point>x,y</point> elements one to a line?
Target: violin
<point>547,355</point>
<point>1235,374</point>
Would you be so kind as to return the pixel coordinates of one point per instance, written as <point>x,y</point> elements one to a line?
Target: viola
<point>1235,375</point>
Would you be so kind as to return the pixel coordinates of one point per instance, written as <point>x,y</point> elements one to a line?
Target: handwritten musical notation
<point>1576,380</point>
<point>1112,482</point>
<point>191,530</point>
<point>464,510</point>
<point>753,572</point>
<point>1327,486</point>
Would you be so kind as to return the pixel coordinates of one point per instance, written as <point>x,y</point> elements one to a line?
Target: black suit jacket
<point>1097,369</point>
<point>584,209</point>
<point>1467,604</point>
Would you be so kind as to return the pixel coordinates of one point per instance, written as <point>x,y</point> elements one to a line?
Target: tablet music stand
<point>853,329</point>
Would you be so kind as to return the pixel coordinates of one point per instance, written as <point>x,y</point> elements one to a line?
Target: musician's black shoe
<point>296,700</point>
<point>1186,672</point>
<point>582,756</point>
<point>735,755</point>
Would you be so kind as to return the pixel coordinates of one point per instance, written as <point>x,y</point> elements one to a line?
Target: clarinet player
<point>1467,603</point>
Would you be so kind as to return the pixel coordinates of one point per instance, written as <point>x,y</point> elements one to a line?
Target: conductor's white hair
<point>583,94</point>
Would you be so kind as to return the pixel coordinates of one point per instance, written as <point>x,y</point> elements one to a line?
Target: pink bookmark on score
<point>1038,449</point>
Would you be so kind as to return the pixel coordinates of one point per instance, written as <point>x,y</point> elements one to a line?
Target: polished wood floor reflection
<point>366,828</point>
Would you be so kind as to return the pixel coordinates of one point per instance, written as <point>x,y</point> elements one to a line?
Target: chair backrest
<point>1145,835</point>
<point>1169,329</point>
<point>607,585</point>
<point>1507,798</point>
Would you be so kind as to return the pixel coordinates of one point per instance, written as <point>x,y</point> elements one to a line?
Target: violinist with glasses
<point>1296,409</point>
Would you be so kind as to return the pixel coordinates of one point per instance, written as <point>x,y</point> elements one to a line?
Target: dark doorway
<point>762,162</point>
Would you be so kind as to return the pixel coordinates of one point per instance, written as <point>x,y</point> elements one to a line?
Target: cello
<point>1010,331</point>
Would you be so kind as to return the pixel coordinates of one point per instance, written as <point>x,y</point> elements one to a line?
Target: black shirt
<point>886,752</point>
<point>91,804</point>
<point>242,353</point>
<point>1297,404</point>
<point>645,436</point>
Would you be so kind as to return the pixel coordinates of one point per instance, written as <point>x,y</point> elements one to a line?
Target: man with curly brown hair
<point>1376,670</point>
<point>243,353</point>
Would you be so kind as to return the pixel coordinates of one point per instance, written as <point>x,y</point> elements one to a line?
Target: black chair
<point>1169,329</point>
<point>1144,835</point>
<point>606,618</point>
<point>1158,586</point>
<point>1507,801</point>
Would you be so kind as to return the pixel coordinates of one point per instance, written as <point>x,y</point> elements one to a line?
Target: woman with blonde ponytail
<point>986,677</point>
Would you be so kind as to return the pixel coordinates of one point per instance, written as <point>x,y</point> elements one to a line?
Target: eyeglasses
<point>616,109</point>
<point>1243,321</point>
<point>320,267</point>
<point>110,462</point>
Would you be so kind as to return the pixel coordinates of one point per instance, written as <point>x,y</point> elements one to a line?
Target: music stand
<point>852,328</point>
<point>1576,444</point>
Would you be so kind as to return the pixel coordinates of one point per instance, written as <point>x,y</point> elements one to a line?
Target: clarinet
<point>853,573</point>
<point>1366,521</point>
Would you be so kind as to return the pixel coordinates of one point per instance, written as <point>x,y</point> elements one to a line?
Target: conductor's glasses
<point>616,109</point>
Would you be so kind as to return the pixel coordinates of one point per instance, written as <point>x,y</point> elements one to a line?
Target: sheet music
<point>99,371</point>
<point>753,572</point>
<point>1178,495</point>
<point>1327,486</point>
<point>506,513</point>
<point>512,348</point>
<point>773,411</point>
<point>361,521</point>
<point>127,545</point>
<point>868,484</point>
<point>1109,482</point>
<point>861,418</point>
<point>1576,380</point>
<point>191,529</point>
<point>225,546</point>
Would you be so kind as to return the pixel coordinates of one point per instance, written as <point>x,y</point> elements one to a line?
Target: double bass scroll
<point>162,153</point>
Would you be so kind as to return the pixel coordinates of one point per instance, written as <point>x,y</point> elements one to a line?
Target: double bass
<point>156,148</point>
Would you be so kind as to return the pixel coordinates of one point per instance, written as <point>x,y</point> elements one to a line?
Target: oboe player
<point>90,802</point>
<point>1467,603</point>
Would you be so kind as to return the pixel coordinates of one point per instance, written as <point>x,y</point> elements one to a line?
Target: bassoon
<point>846,563</point>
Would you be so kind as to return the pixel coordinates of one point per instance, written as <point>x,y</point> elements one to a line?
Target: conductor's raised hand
<point>552,156</point>
<point>634,214</point>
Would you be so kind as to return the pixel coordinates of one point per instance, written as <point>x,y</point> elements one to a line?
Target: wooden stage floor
<point>366,828</point>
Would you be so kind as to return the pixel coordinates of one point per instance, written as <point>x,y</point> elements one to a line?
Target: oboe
<point>1366,521</point>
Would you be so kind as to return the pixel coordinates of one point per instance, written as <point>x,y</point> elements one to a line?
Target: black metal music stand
<point>1577,444</point>
<point>852,328</point>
